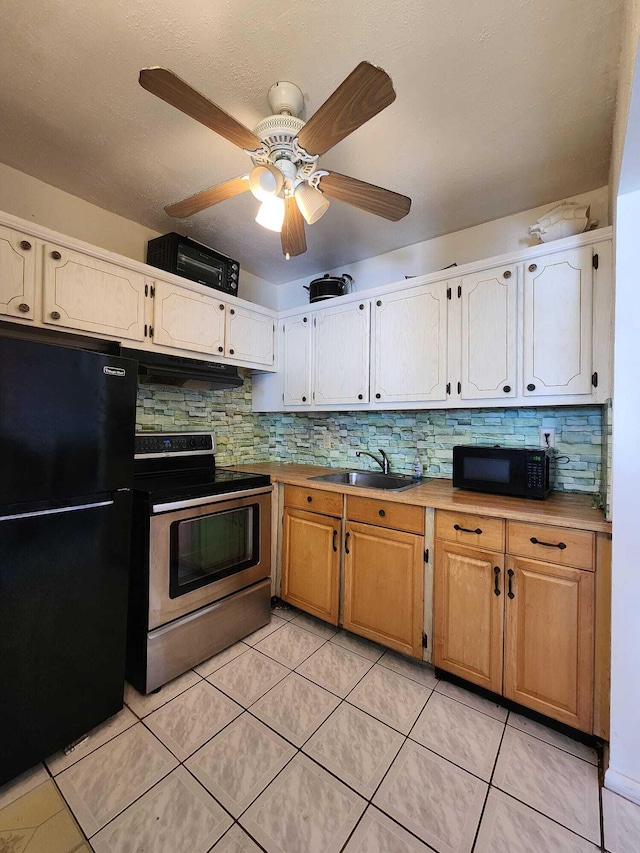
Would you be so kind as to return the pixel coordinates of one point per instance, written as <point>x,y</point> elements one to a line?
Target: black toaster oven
<point>183,256</point>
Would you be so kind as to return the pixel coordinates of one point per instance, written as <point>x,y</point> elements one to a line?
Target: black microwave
<point>524,472</point>
<point>183,256</point>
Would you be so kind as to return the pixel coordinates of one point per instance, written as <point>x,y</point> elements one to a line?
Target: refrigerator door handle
<point>55,511</point>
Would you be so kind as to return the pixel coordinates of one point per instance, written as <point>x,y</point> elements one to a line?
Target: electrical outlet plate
<point>547,436</point>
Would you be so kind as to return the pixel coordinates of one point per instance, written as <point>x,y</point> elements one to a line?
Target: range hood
<point>162,369</point>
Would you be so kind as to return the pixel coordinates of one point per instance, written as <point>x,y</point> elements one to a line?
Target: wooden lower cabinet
<point>468,614</point>
<point>384,586</point>
<point>549,640</point>
<point>311,563</point>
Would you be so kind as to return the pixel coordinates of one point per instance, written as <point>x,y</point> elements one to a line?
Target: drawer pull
<point>333,543</point>
<point>309,499</point>
<point>478,530</point>
<point>346,544</point>
<point>496,573</point>
<point>511,594</point>
<point>381,513</point>
<point>560,545</point>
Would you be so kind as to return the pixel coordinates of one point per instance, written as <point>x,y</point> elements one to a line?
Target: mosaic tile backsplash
<point>332,438</point>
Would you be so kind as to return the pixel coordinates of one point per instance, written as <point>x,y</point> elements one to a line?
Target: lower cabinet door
<point>311,563</point>
<point>549,643</point>
<point>468,612</point>
<point>384,586</point>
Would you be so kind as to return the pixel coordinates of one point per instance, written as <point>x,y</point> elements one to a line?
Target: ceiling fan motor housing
<point>285,97</point>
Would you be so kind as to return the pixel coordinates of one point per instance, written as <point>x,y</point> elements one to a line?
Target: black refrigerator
<point>67,424</point>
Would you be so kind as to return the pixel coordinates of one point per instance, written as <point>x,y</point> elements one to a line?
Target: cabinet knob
<point>531,387</point>
<point>309,499</point>
<point>231,351</point>
<point>361,307</point>
<point>379,303</point>
<point>56,256</point>
<point>221,306</point>
<point>23,307</point>
<point>25,244</point>
<point>359,396</point>
<point>378,396</point>
<point>304,399</point>
<point>381,513</point>
<point>232,311</point>
<point>220,349</point>
<point>304,319</point>
<point>533,267</point>
<point>55,315</point>
<point>506,274</point>
<point>506,389</point>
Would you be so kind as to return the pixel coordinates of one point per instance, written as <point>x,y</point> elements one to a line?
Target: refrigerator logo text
<point>114,371</point>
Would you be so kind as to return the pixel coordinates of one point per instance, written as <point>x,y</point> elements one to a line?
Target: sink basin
<point>370,480</point>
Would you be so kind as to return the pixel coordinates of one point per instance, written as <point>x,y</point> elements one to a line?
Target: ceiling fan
<point>284,150</point>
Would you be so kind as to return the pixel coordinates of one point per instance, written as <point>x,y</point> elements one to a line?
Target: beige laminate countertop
<point>567,510</point>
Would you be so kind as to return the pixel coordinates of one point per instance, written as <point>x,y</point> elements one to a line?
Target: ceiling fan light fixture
<point>265,181</point>
<point>312,203</point>
<point>271,214</point>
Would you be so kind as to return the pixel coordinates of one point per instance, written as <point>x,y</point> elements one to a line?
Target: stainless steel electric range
<point>201,556</point>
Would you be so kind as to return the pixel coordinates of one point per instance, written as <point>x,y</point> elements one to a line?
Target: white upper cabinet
<point>341,354</point>
<point>409,345</point>
<point>295,364</point>
<point>84,293</point>
<point>17,274</point>
<point>558,293</point>
<point>188,320</point>
<point>249,335</point>
<point>488,321</point>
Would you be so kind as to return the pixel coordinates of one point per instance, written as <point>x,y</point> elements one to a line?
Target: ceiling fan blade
<point>166,85</point>
<point>367,197</point>
<point>294,241</point>
<point>207,198</point>
<point>364,93</point>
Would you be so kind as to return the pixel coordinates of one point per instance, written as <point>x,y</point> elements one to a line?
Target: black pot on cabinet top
<point>328,286</point>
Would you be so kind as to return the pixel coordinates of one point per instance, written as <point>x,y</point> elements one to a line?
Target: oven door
<point>202,550</point>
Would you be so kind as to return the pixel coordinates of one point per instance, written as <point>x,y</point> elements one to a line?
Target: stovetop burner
<point>170,466</point>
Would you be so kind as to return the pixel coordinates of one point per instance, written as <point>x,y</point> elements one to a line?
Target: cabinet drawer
<point>560,545</point>
<point>465,528</point>
<point>314,500</point>
<point>386,514</point>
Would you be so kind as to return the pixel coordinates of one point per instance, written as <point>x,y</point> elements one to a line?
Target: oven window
<point>200,267</point>
<point>211,547</point>
<point>486,469</point>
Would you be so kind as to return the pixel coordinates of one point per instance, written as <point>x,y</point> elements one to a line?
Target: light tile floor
<point>305,739</point>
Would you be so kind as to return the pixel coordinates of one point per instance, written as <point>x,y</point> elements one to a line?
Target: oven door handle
<point>211,499</point>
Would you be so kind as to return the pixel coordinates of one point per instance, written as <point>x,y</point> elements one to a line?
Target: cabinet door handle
<point>333,543</point>
<point>23,307</point>
<point>511,593</point>
<point>478,530</point>
<point>381,513</point>
<point>25,245</point>
<point>56,256</point>
<point>496,579</point>
<point>560,545</point>
<point>55,315</point>
<point>346,544</point>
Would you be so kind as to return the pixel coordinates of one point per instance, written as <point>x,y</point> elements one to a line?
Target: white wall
<point>623,774</point>
<point>31,199</point>
<point>509,234</point>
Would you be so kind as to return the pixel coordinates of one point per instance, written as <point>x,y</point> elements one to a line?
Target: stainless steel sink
<point>370,480</point>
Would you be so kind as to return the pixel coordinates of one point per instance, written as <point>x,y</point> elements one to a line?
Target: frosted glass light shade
<point>265,181</point>
<point>271,214</point>
<point>312,203</point>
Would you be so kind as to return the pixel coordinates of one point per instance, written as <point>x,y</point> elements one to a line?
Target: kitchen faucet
<point>383,463</point>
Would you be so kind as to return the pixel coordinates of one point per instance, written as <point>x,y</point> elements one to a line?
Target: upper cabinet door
<point>249,335</point>
<point>410,345</point>
<point>296,360</point>
<point>17,274</point>
<point>341,360</point>
<point>558,292</point>
<point>488,304</point>
<point>81,292</point>
<point>188,320</point>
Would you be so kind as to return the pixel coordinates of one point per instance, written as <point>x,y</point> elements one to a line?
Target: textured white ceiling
<point>502,105</point>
